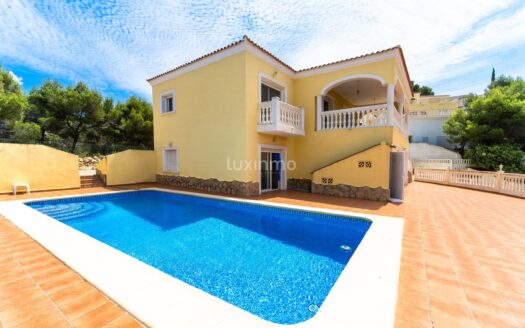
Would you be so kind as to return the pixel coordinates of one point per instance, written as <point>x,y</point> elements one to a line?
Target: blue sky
<point>116,45</point>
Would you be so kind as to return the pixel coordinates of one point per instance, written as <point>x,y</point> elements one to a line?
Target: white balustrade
<point>513,184</point>
<point>503,183</point>
<point>351,118</point>
<point>265,112</point>
<point>398,120</point>
<point>432,113</point>
<point>442,164</point>
<point>291,115</point>
<point>278,117</point>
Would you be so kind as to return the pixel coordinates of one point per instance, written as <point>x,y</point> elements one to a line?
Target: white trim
<point>406,82</point>
<point>284,158</point>
<point>345,79</point>
<point>268,59</point>
<point>164,94</point>
<point>367,59</point>
<point>247,46</point>
<point>276,84</point>
<point>366,286</point>
<point>199,63</point>
<point>177,159</point>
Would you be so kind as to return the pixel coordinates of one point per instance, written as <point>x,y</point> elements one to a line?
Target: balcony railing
<point>279,118</point>
<point>351,118</point>
<point>361,117</point>
<point>424,113</point>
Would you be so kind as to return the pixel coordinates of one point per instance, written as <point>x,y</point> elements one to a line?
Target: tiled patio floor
<point>463,263</point>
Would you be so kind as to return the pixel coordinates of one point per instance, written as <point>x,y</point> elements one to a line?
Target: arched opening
<point>358,101</point>
<point>356,92</point>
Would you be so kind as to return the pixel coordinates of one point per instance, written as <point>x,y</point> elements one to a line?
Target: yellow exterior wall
<point>347,171</point>
<point>216,119</point>
<point>433,103</point>
<point>254,66</point>
<point>399,140</point>
<point>319,148</point>
<point>102,166</point>
<point>209,122</point>
<point>42,167</point>
<point>129,166</point>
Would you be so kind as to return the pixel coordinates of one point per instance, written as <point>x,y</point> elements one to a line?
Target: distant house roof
<point>246,39</point>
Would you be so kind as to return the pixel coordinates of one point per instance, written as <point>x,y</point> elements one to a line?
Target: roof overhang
<point>245,44</point>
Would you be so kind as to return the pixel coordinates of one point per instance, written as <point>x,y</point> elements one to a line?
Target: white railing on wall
<point>422,113</point>
<point>503,183</point>
<point>441,164</point>
<point>265,112</point>
<point>281,114</point>
<point>358,117</point>
<point>291,115</point>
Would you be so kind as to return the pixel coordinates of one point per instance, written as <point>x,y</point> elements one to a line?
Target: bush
<point>490,157</point>
<point>26,132</point>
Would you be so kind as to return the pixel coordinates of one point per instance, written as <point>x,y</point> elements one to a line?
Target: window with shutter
<point>171,160</point>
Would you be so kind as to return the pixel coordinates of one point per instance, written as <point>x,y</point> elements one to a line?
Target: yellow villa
<point>241,121</point>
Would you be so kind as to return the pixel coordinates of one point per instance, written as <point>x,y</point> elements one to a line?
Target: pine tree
<point>493,77</point>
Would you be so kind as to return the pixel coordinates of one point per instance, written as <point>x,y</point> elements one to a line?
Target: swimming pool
<point>279,264</point>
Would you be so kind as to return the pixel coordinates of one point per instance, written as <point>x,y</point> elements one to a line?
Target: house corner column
<point>318,110</point>
<point>390,103</point>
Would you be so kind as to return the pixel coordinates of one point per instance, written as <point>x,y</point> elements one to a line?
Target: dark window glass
<point>169,104</point>
<point>267,93</point>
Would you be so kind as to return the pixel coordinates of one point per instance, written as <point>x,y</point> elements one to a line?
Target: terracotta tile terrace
<point>463,263</point>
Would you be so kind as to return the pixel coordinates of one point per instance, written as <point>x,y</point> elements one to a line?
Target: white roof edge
<point>247,46</point>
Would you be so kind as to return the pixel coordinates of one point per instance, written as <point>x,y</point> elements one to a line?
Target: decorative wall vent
<point>327,180</point>
<point>367,164</point>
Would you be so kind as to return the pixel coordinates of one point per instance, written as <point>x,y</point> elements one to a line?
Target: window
<point>167,102</point>
<point>267,93</point>
<point>171,160</point>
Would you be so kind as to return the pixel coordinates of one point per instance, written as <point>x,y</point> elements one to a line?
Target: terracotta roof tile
<point>247,39</point>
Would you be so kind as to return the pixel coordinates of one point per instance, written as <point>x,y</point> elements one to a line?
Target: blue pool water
<point>272,262</point>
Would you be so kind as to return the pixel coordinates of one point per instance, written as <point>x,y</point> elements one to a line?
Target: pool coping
<point>365,294</point>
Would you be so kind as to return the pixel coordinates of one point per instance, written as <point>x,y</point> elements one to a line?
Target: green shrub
<point>490,157</point>
<point>26,132</point>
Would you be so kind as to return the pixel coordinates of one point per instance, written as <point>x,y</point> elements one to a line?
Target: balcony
<point>279,118</point>
<point>362,117</point>
<point>362,101</point>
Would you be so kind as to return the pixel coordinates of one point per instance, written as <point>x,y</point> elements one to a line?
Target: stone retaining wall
<point>341,190</point>
<point>236,188</point>
<point>300,185</point>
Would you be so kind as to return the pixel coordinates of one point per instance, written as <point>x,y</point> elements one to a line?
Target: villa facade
<point>428,115</point>
<point>241,121</point>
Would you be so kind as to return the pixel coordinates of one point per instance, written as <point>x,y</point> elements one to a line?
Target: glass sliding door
<point>270,170</point>
<point>265,171</point>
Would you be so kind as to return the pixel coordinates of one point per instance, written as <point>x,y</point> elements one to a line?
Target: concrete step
<point>90,181</point>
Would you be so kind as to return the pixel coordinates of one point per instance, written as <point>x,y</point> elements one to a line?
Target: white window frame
<point>177,159</point>
<point>162,103</point>
<point>269,81</point>
<point>284,159</point>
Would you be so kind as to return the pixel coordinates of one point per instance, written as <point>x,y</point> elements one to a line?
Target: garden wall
<point>128,167</point>
<point>42,167</point>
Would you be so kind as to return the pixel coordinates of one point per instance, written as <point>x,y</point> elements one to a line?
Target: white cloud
<point>118,44</point>
<point>18,79</point>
